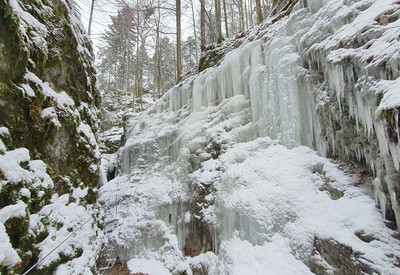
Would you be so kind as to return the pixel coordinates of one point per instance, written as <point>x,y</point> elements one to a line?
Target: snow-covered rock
<point>49,157</point>
<point>219,176</point>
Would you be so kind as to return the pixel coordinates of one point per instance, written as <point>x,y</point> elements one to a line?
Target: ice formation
<point>218,166</point>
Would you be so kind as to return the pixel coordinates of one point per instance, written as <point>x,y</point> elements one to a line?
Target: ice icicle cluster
<point>324,77</point>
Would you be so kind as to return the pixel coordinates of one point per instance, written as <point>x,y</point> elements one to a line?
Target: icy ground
<point>269,204</point>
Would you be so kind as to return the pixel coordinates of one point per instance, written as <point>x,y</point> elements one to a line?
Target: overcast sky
<point>103,9</point>
<point>101,17</point>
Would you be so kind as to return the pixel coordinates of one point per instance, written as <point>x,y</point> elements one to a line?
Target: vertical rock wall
<point>48,105</point>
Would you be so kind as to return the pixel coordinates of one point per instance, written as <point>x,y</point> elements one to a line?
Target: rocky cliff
<point>48,150</point>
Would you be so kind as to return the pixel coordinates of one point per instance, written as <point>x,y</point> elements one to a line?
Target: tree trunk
<point>202,25</point>
<point>250,7</point>
<point>127,68</point>
<point>142,50</point>
<point>195,33</point>
<point>241,16</point>
<point>178,42</point>
<point>91,17</point>
<point>259,12</point>
<point>226,19</point>
<point>246,15</point>
<point>218,20</point>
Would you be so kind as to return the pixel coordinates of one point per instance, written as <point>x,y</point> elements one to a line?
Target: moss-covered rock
<point>211,56</point>
<point>49,104</point>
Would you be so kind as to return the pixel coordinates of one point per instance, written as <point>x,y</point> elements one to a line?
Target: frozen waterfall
<point>222,162</point>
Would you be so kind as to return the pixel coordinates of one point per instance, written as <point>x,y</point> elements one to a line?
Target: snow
<point>241,133</point>
<point>79,193</point>
<point>147,266</point>
<point>17,168</point>
<point>42,178</point>
<point>241,257</point>
<point>4,131</point>
<point>63,100</point>
<point>24,192</point>
<point>51,113</point>
<point>10,165</point>
<point>71,216</point>
<point>27,17</point>
<point>2,147</point>
<point>88,134</point>
<point>29,181</point>
<point>269,206</point>
<point>12,211</point>
<point>391,96</point>
<point>8,256</point>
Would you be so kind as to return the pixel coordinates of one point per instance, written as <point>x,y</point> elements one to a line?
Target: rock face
<point>48,105</point>
<point>331,257</point>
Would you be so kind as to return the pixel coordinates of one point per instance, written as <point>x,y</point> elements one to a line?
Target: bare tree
<point>225,19</point>
<point>91,17</point>
<point>178,42</point>
<point>202,25</point>
<point>218,20</point>
<point>259,12</point>
<point>194,31</point>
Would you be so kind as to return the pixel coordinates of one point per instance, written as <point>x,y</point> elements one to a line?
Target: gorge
<point>279,156</point>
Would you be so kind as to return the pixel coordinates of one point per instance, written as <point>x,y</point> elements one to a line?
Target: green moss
<point>50,268</point>
<point>91,197</point>
<point>390,117</point>
<point>68,158</point>
<point>13,54</point>
<point>9,16</point>
<point>9,194</point>
<point>210,58</point>
<point>17,230</point>
<point>379,98</point>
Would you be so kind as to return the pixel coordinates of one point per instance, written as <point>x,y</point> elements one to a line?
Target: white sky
<point>103,9</point>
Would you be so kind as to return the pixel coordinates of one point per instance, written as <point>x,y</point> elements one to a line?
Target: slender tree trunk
<point>127,68</point>
<point>202,25</point>
<point>178,42</point>
<point>115,75</point>
<point>233,23</point>
<point>140,91</point>
<point>218,20</point>
<point>157,54</point>
<point>246,15</point>
<point>195,33</point>
<point>225,19</point>
<point>259,12</point>
<point>155,73</point>
<point>241,16</point>
<point>250,7</point>
<point>136,85</point>
<point>91,17</point>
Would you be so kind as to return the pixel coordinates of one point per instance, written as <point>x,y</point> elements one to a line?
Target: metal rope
<point>69,236</point>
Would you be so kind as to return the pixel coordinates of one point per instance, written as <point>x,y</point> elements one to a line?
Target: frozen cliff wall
<point>49,155</point>
<point>325,77</point>
<point>217,161</point>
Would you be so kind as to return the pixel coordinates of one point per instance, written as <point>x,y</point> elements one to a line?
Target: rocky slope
<point>49,159</point>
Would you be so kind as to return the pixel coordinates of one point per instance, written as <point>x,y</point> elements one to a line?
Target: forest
<point>145,50</point>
